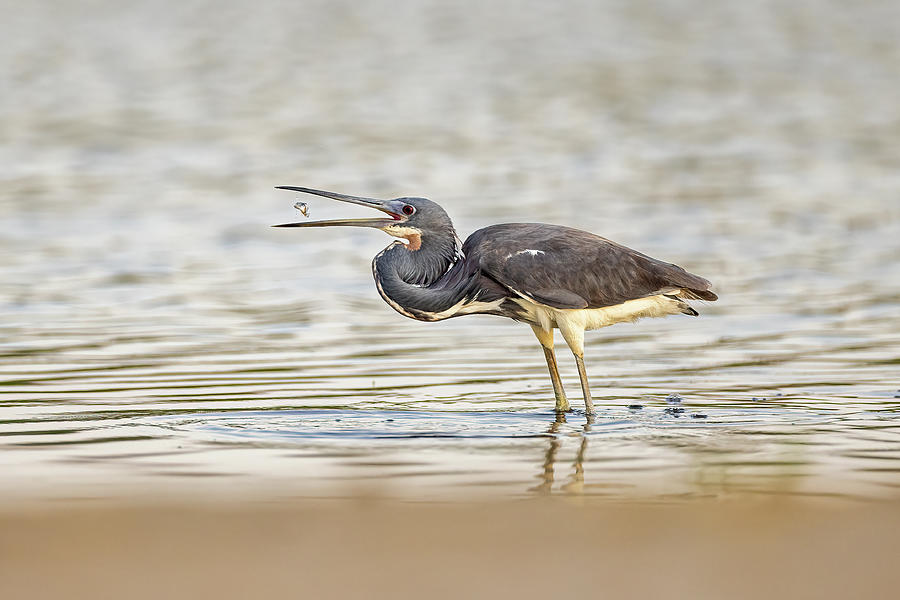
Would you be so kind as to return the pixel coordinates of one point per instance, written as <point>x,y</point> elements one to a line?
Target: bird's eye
<point>408,210</point>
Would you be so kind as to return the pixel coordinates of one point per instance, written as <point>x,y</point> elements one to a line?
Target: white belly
<point>549,318</point>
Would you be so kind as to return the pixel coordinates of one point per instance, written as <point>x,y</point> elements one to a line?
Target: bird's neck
<point>425,258</point>
<point>422,282</point>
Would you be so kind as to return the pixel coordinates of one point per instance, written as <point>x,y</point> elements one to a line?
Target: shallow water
<point>156,337</point>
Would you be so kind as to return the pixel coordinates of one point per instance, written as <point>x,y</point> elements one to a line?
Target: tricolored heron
<point>549,276</point>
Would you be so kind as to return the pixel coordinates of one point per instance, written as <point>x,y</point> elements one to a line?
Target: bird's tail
<point>697,294</point>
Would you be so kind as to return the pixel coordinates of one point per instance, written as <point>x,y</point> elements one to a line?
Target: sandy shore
<point>381,549</point>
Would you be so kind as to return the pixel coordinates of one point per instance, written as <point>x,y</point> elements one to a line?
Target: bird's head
<point>410,218</point>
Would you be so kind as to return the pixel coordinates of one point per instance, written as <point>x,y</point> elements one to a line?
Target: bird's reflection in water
<point>575,485</point>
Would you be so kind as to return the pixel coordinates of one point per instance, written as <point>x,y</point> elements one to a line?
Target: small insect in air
<point>303,207</point>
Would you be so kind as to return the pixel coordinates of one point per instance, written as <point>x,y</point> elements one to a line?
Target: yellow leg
<point>574,337</point>
<point>546,340</point>
<point>585,388</point>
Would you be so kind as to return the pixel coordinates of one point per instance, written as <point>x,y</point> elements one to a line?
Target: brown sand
<point>381,549</point>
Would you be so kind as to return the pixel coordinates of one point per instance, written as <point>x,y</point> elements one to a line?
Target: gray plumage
<point>569,268</point>
<point>548,276</point>
<point>558,266</point>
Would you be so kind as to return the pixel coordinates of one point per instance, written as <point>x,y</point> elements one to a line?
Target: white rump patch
<point>548,317</point>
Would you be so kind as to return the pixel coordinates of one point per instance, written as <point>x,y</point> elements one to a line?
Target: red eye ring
<point>408,210</point>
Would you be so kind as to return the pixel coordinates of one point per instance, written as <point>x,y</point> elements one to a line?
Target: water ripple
<point>156,334</point>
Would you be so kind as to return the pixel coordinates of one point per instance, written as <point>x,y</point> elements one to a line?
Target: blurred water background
<point>157,338</point>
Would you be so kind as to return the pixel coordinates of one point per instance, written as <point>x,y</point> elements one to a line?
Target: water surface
<point>157,338</point>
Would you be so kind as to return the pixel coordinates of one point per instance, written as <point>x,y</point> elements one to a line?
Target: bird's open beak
<point>382,205</point>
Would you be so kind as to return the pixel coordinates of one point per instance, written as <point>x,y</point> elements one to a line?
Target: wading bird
<point>549,276</point>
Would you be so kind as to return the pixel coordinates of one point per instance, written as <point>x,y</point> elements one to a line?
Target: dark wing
<point>564,267</point>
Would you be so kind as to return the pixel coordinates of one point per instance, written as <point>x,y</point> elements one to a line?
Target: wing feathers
<point>569,268</point>
<point>559,298</point>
